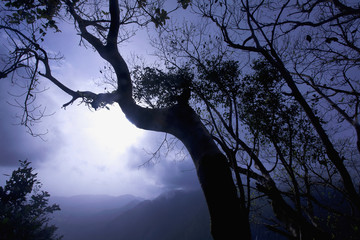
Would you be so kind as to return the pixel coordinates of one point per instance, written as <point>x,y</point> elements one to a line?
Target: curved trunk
<point>228,219</point>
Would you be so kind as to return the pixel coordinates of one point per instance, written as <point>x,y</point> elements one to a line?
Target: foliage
<point>22,11</point>
<point>218,80</point>
<point>159,17</point>
<point>264,107</point>
<point>282,137</point>
<point>24,209</point>
<point>159,89</point>
<point>289,124</point>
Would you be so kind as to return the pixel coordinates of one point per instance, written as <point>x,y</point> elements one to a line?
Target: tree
<point>274,124</point>
<point>25,216</point>
<point>318,72</point>
<point>101,26</point>
<point>305,180</point>
<point>261,132</point>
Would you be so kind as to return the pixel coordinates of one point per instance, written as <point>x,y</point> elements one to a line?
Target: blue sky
<point>88,152</point>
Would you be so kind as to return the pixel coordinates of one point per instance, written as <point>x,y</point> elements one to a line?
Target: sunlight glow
<point>111,130</point>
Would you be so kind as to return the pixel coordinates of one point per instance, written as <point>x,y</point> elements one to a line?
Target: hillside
<point>175,215</point>
<point>85,215</point>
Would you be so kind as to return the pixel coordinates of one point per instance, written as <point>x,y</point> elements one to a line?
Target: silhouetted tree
<point>103,26</point>
<point>24,209</point>
<point>312,47</point>
<point>303,83</point>
<point>252,115</point>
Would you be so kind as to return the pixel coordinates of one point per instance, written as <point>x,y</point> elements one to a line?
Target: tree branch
<point>94,41</point>
<point>114,25</point>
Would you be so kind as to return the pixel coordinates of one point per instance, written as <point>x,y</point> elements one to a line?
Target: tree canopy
<point>24,208</point>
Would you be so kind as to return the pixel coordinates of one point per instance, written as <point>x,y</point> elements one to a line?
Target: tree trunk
<point>228,219</point>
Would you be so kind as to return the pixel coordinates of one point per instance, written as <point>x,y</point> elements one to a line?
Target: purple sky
<point>88,152</point>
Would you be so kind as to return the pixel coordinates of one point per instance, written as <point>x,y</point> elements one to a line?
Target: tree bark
<point>228,219</point>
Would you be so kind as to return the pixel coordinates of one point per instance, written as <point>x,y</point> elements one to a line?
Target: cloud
<point>171,168</point>
<point>15,143</point>
<point>89,152</point>
<point>176,175</point>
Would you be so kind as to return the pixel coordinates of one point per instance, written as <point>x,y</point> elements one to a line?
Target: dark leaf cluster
<point>25,11</point>
<point>160,17</point>
<point>157,88</point>
<point>184,3</point>
<point>24,209</point>
<point>274,116</point>
<point>218,81</point>
<point>264,107</point>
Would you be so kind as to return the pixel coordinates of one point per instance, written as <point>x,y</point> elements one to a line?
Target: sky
<point>84,151</point>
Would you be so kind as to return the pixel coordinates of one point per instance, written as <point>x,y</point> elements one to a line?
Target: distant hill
<point>84,215</point>
<point>93,204</point>
<point>175,215</point>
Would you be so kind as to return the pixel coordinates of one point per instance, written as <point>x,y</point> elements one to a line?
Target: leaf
<point>184,3</point>
<point>160,17</point>
<point>332,39</point>
<point>105,13</point>
<point>141,3</point>
<point>308,38</point>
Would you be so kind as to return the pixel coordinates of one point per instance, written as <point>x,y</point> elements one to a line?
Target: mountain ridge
<point>173,215</point>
